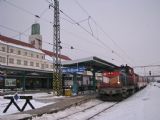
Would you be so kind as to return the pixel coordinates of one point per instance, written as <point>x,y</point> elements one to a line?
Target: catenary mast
<point>57,73</point>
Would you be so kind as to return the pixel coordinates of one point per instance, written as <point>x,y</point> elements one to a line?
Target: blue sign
<point>16,97</point>
<point>73,69</point>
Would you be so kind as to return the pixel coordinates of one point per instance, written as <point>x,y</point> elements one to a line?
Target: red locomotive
<point>122,81</point>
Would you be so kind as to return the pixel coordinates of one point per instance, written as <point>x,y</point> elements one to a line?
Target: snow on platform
<point>39,100</point>
<point>144,105</point>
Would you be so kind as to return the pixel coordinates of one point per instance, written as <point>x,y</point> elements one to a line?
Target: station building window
<point>46,65</point>
<point>42,66</point>
<point>19,52</point>
<point>37,64</point>
<point>11,60</point>
<point>26,63</point>
<point>31,55</point>
<point>2,59</point>
<point>3,49</point>
<point>25,53</point>
<point>31,63</point>
<point>19,62</point>
<point>51,66</point>
<point>11,50</point>
<point>37,56</point>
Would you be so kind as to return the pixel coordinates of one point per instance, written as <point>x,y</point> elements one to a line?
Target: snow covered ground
<point>39,100</point>
<point>144,105</point>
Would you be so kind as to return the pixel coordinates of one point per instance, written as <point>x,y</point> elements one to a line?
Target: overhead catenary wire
<point>71,46</point>
<point>103,32</point>
<point>24,10</point>
<point>90,33</point>
<point>28,12</point>
<point>146,66</point>
<point>77,49</point>
<point>112,40</point>
<point>78,24</point>
<point>8,28</point>
<point>23,33</point>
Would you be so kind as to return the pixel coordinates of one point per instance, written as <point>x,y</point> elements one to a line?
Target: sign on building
<point>73,69</point>
<point>10,82</point>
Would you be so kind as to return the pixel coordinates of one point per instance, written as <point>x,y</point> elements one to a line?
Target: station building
<point>27,65</point>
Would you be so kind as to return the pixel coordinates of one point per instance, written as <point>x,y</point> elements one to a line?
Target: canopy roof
<point>91,63</point>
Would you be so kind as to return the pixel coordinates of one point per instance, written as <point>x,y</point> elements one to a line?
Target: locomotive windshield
<point>111,78</point>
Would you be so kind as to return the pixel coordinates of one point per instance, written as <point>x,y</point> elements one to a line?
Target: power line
<point>8,28</point>
<point>146,66</point>
<point>81,38</point>
<point>102,30</point>
<point>82,50</point>
<point>112,40</point>
<point>78,24</point>
<point>29,12</point>
<point>23,33</point>
<point>90,33</point>
<point>20,8</point>
<point>78,49</point>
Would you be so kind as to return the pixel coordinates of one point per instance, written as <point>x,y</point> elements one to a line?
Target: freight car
<point>119,82</point>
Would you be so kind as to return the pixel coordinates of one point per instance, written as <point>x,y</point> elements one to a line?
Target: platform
<point>52,108</point>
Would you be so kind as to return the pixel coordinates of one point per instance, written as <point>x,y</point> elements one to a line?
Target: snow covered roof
<point>27,46</point>
<point>53,54</point>
<point>93,59</point>
<point>22,47</point>
<point>49,58</point>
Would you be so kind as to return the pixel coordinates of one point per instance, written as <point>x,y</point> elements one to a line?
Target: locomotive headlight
<point>118,81</point>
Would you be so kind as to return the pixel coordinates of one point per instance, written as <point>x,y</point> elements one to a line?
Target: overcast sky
<point>125,31</point>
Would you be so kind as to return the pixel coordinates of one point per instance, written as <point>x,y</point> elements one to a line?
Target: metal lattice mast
<point>57,76</point>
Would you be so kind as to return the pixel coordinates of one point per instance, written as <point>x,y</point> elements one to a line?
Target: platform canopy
<point>27,72</point>
<point>91,63</point>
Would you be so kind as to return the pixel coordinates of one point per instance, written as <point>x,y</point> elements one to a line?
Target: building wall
<point>18,57</point>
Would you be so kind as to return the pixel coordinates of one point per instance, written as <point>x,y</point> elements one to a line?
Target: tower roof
<point>35,29</point>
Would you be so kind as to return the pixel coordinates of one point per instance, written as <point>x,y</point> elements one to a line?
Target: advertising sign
<point>10,82</point>
<point>73,69</point>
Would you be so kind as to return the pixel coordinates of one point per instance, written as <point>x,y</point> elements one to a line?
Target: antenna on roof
<point>36,18</point>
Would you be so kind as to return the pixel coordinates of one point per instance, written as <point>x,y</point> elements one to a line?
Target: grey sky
<point>132,24</point>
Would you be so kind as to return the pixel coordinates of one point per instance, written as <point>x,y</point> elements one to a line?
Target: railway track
<point>107,105</point>
<point>102,111</point>
<point>79,111</point>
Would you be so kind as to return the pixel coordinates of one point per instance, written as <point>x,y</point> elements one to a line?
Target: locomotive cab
<point>112,79</point>
<point>120,81</point>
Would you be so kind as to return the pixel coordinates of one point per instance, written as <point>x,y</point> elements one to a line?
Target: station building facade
<point>27,63</point>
